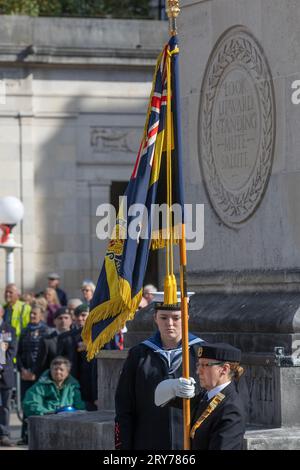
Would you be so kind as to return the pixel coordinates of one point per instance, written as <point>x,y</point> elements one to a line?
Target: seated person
<point>55,388</point>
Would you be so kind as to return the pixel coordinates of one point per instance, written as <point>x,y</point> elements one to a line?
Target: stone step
<point>94,430</point>
<point>80,430</point>
<point>286,438</point>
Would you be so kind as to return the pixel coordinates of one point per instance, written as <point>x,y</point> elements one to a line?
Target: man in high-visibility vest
<point>16,313</point>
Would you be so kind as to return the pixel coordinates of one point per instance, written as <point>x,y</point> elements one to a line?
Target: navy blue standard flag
<point>156,178</point>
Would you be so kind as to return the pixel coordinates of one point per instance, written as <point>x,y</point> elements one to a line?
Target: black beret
<point>220,352</point>
<point>81,308</point>
<point>61,311</point>
<point>161,306</point>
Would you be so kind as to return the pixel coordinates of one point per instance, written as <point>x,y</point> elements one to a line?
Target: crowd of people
<point>40,338</point>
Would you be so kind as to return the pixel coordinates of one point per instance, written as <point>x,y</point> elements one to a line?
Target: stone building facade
<point>73,104</point>
<point>239,63</point>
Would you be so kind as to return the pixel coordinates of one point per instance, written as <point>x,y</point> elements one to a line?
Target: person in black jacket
<point>53,281</point>
<point>218,417</point>
<point>67,344</point>
<point>71,346</point>
<point>28,347</point>
<point>48,344</point>
<point>139,424</point>
<point>8,347</point>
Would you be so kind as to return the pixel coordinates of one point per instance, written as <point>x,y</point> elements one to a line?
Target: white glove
<point>171,388</point>
<point>186,388</point>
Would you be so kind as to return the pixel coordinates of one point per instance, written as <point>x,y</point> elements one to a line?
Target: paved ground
<point>15,427</point>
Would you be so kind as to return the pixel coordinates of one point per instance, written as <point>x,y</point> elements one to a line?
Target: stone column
<point>28,227</point>
<point>109,366</point>
<point>17,165</point>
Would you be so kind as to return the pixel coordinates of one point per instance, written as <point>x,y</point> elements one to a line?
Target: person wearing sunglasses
<point>218,416</point>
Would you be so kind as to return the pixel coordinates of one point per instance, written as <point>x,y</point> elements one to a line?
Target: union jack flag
<point>119,288</point>
<point>156,113</point>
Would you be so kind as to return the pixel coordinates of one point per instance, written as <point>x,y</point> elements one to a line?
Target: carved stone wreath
<point>237,50</point>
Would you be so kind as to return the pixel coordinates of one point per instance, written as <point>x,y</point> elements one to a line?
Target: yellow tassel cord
<point>170,285</point>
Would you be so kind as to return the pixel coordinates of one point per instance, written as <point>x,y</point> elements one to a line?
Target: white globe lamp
<point>11,213</point>
<point>11,210</point>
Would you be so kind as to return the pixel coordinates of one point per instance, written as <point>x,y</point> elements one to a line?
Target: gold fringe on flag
<point>123,306</point>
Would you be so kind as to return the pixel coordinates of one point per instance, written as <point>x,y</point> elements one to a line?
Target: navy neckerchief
<point>173,357</point>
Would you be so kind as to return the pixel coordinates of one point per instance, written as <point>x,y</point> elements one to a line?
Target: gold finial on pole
<point>172,10</point>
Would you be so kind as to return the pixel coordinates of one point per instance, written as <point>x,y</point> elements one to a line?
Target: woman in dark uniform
<point>218,416</point>
<point>139,424</point>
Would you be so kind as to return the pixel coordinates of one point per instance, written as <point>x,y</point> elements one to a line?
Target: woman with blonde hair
<point>42,303</point>
<point>52,305</point>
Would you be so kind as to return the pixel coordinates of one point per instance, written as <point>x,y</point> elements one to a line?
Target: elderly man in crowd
<point>148,292</point>
<point>16,312</point>
<point>72,304</point>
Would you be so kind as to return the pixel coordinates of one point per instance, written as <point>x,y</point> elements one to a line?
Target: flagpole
<point>185,337</point>
<point>173,11</point>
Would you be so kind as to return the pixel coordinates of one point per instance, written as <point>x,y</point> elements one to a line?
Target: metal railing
<point>16,405</point>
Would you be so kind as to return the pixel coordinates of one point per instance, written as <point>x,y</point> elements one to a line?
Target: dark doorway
<point>151,277</point>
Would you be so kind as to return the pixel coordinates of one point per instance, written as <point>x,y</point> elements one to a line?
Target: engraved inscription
<point>236,126</point>
<point>236,129</point>
<point>114,140</point>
